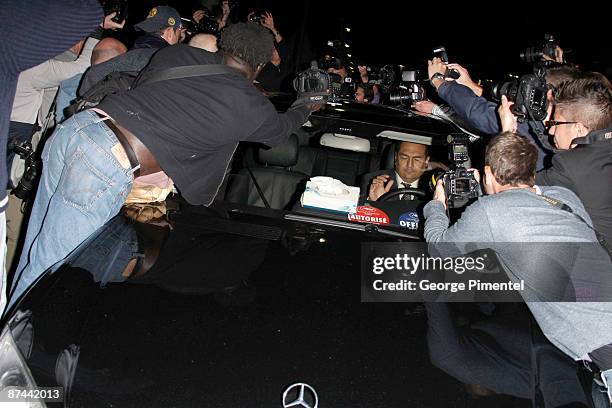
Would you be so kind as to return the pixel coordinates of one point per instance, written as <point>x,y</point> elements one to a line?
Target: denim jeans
<point>83,185</point>
<point>107,256</point>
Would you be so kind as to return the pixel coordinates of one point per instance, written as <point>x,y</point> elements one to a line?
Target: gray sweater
<point>507,219</point>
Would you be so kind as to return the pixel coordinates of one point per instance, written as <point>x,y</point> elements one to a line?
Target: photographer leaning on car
<point>134,140</point>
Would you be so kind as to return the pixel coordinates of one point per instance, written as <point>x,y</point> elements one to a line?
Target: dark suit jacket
<point>367,180</point>
<point>587,171</point>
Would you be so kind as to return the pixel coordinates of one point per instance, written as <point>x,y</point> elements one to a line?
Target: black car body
<point>235,302</point>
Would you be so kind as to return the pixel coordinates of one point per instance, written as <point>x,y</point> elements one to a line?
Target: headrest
<point>345,142</point>
<point>283,155</point>
<point>387,161</point>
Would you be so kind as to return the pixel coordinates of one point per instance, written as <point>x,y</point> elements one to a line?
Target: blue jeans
<point>83,185</point>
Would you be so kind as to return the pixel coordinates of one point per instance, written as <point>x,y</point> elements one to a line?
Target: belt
<point>129,152</point>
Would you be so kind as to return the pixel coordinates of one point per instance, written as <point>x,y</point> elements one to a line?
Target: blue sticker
<point>409,220</point>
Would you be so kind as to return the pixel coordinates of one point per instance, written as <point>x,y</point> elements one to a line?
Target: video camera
<point>341,88</point>
<point>330,62</point>
<point>408,91</point>
<point>460,184</point>
<point>528,94</point>
<point>534,54</point>
<point>440,52</point>
<point>384,77</point>
<point>313,85</point>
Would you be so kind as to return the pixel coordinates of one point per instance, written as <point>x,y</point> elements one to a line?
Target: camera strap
<point>565,207</point>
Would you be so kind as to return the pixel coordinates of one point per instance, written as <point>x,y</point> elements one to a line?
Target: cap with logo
<point>159,18</point>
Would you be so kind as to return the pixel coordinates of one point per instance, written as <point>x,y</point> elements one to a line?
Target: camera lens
<point>531,54</point>
<point>504,88</point>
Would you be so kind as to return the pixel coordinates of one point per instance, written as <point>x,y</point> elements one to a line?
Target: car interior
<point>278,175</point>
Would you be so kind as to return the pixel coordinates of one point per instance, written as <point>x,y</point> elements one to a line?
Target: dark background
<point>483,38</point>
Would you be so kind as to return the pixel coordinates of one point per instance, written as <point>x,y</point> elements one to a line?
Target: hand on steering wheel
<point>414,191</point>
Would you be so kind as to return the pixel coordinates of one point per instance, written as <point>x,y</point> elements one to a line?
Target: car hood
<point>210,318</point>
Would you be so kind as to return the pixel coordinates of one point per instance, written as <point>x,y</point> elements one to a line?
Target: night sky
<point>484,39</point>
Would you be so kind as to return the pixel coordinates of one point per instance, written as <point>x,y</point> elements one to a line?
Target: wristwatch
<point>437,75</point>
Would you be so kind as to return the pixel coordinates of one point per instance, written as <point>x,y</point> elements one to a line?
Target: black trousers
<point>502,353</point>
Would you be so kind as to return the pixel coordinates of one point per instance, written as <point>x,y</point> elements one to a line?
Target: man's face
<point>411,161</point>
<point>174,36</point>
<point>360,95</point>
<point>563,133</point>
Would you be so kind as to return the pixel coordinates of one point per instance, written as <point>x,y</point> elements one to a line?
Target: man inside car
<point>411,162</point>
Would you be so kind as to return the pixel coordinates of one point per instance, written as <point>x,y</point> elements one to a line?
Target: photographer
<point>45,30</point>
<point>274,73</point>
<point>161,28</point>
<point>366,92</point>
<point>516,210</point>
<point>582,129</point>
<point>156,130</point>
<point>213,16</point>
<point>463,97</point>
<point>33,82</point>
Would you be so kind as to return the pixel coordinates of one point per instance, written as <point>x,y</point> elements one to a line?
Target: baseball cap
<point>159,18</point>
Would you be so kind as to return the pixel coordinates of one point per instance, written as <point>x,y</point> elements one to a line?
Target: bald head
<point>106,49</point>
<point>206,42</point>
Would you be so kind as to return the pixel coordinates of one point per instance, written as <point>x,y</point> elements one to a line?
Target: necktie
<point>407,197</point>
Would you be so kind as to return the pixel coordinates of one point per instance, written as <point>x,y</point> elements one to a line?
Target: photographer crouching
<point>518,211</point>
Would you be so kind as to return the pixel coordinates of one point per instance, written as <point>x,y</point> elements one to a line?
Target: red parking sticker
<point>370,215</point>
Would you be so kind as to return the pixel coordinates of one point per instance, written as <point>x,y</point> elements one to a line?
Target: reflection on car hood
<point>205,318</point>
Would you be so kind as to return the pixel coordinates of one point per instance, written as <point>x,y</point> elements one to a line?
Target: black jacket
<point>587,171</point>
<point>482,114</point>
<point>423,183</point>
<point>192,125</point>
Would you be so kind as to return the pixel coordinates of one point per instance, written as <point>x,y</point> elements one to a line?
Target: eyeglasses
<point>550,123</point>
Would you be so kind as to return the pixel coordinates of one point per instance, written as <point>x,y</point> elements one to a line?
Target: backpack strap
<point>189,71</point>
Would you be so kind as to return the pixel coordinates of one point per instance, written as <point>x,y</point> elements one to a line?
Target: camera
<point>342,88</point>
<point>440,52</point>
<point>408,91</point>
<point>460,184</point>
<point>528,94</point>
<point>209,24</point>
<point>30,174</point>
<point>330,62</point>
<point>116,6</point>
<point>191,28</point>
<point>384,77</point>
<point>534,54</point>
<point>313,85</point>
<point>255,19</point>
